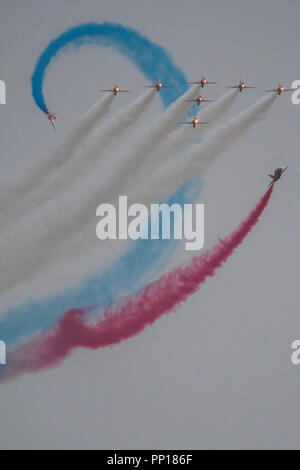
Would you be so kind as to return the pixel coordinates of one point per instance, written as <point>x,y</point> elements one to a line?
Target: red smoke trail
<point>133,313</point>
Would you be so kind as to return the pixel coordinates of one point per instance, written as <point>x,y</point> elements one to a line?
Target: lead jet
<point>241,86</point>
<point>117,90</point>
<point>158,85</point>
<point>280,89</point>
<point>195,121</point>
<point>277,174</point>
<point>199,99</point>
<point>203,82</point>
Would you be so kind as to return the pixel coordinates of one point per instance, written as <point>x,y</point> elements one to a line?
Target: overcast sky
<point>216,373</point>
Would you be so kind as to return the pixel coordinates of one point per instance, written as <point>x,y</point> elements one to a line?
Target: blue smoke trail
<point>124,277</point>
<point>152,60</point>
<point>128,274</point>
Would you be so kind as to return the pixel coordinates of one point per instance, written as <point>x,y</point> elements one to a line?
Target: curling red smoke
<point>132,314</point>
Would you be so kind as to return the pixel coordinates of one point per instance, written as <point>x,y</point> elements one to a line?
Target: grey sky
<point>217,372</point>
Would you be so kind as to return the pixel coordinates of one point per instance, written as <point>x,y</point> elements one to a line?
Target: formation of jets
<point>198,100</point>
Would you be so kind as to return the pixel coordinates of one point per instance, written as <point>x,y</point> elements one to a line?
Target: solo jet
<point>277,174</point>
<point>202,82</point>
<point>158,86</point>
<point>280,89</point>
<point>52,118</point>
<point>117,90</point>
<point>199,99</point>
<point>194,122</point>
<point>241,86</point>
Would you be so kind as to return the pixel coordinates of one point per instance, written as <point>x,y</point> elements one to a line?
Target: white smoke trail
<point>83,251</point>
<point>184,136</point>
<point>146,150</point>
<point>64,274</point>
<point>36,239</point>
<point>144,160</point>
<point>217,110</point>
<point>88,152</point>
<point>34,176</point>
<point>182,168</point>
<point>95,149</point>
